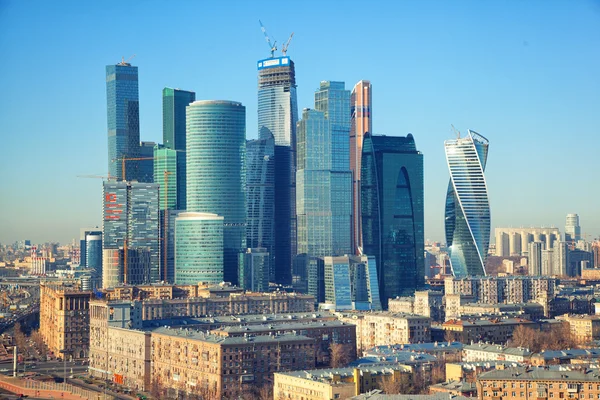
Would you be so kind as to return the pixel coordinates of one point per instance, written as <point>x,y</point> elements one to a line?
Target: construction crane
<point>272,46</point>
<point>126,63</point>
<point>123,159</point>
<point>286,45</point>
<point>456,131</point>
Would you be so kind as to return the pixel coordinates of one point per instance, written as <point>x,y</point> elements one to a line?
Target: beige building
<point>405,305</point>
<point>335,383</point>
<point>494,330</point>
<point>539,383</point>
<point>215,366</point>
<point>386,328</point>
<point>64,318</point>
<point>584,328</point>
<point>427,303</point>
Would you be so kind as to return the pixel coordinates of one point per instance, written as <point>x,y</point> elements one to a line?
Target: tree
<point>452,336</point>
<point>19,338</point>
<point>340,355</point>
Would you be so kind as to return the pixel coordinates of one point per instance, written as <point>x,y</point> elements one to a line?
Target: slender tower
<point>277,116</point>
<point>467,217</point>
<point>360,123</point>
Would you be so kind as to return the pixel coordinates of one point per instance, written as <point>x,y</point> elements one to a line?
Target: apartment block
<point>494,352</point>
<point>584,328</point>
<point>494,330</point>
<point>64,318</point>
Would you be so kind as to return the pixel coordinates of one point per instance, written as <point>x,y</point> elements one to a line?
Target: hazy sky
<point>524,74</point>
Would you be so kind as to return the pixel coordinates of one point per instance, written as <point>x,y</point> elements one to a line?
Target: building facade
<point>516,241</point>
<point>572,228</point>
<point>277,117</point>
<point>216,151</point>
<point>467,206</point>
<point>361,122</point>
<point>392,212</point>
<point>123,114</point>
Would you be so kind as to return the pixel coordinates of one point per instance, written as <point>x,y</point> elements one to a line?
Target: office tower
<point>167,241</point>
<point>392,212</point>
<point>535,258</point>
<point>254,276</point>
<point>122,103</point>
<point>145,166</point>
<point>198,248</point>
<point>277,116</point>
<point>260,197</point>
<point>467,206</point>
<point>83,232</point>
<point>338,291</point>
<point>572,228</point>
<point>323,177</point>
<point>165,175</point>
<point>216,172</point>
<point>113,267</point>
<point>361,122</point>
<point>93,250</point>
<point>130,221</point>
<point>175,102</point>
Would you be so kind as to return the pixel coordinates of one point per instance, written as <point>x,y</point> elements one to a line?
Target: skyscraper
<point>175,102</point>
<point>130,220</point>
<point>324,180</point>
<point>122,102</point>
<point>360,123</point>
<point>165,175</point>
<point>392,212</point>
<point>145,166</point>
<point>277,116</point>
<point>467,206</point>
<point>534,264</point>
<point>260,197</point>
<point>198,248</point>
<point>572,228</point>
<point>93,250</point>
<point>216,172</point>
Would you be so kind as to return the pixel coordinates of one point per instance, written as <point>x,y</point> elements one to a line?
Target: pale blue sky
<point>525,74</point>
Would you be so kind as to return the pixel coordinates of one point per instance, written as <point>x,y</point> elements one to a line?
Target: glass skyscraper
<point>122,102</point>
<point>467,217</point>
<point>175,102</point>
<point>277,117</point>
<point>216,173</point>
<point>324,180</point>
<point>93,249</point>
<point>361,122</point>
<point>260,197</point>
<point>146,166</point>
<point>130,219</point>
<point>392,212</point>
<point>165,175</point>
<point>198,248</point>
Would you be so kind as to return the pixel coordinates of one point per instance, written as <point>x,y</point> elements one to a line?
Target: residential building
<point>123,115</point>
<point>361,122</point>
<point>198,248</point>
<point>216,149</point>
<point>392,212</point>
<point>529,383</point>
<point>469,371</point>
<point>277,117</point>
<point>534,265</point>
<point>260,198</point>
<point>493,352</point>
<point>64,319</point>
<point>335,383</point>
<point>572,228</point>
<point>386,328</point>
<point>509,289</point>
<point>377,395</point>
<point>188,361</point>
<point>584,328</point>
<point>467,205</point>
<point>455,388</point>
<point>494,330</point>
<point>516,241</point>
<point>430,304</point>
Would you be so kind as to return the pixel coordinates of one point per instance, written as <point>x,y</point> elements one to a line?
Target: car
<point>4,370</point>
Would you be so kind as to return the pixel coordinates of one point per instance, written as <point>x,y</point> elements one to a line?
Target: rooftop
<point>326,375</point>
<point>377,395</point>
<point>224,340</point>
<point>526,374</point>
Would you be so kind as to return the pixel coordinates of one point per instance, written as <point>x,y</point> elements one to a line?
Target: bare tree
<point>452,336</point>
<point>265,392</point>
<point>340,355</point>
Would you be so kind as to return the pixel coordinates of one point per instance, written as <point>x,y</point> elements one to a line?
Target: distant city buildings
<point>572,228</point>
<point>467,206</point>
<point>516,241</point>
<point>392,212</point>
<point>216,151</point>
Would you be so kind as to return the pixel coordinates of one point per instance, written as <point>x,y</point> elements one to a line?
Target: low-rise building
<point>539,383</point>
<point>455,388</point>
<point>469,371</point>
<point>378,395</point>
<point>584,328</point>
<point>495,352</point>
<point>335,383</point>
<point>64,318</point>
<point>493,330</point>
<point>567,356</point>
<point>443,351</point>
<point>193,362</point>
<point>386,328</point>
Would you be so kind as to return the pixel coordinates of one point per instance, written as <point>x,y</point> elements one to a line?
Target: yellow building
<point>64,318</point>
<point>335,383</point>
<point>584,328</point>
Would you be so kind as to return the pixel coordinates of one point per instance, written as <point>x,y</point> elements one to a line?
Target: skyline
<point>523,88</point>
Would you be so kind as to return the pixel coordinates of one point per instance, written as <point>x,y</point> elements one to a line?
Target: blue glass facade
<point>338,289</point>
<point>198,248</point>
<point>175,102</point>
<point>467,219</point>
<point>93,249</point>
<point>145,167</point>
<point>165,175</point>
<point>260,196</point>
<point>122,102</point>
<point>324,180</point>
<point>216,172</point>
<point>277,117</point>
<point>392,212</point>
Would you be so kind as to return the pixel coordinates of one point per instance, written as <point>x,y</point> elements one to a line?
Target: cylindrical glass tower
<point>216,151</point>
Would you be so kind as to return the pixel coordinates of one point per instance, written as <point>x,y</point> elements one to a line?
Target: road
<point>46,368</point>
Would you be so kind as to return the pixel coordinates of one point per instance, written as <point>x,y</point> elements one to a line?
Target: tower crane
<point>124,62</point>
<point>456,131</point>
<point>286,45</point>
<point>272,46</point>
